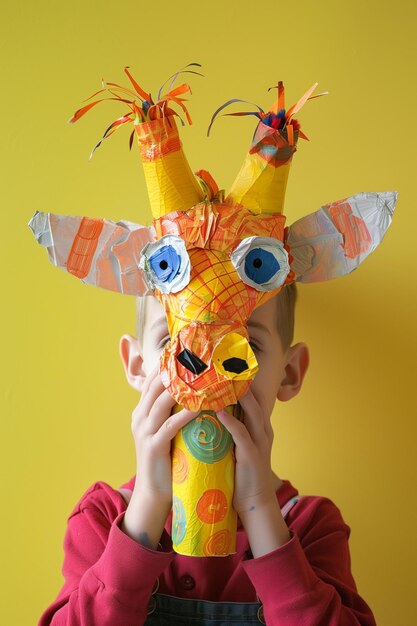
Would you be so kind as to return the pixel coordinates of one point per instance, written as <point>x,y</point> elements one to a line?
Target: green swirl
<point>179,522</point>
<point>206,438</point>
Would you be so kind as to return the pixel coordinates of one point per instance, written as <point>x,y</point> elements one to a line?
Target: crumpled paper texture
<point>97,251</point>
<point>261,262</point>
<point>334,240</point>
<point>211,388</point>
<point>166,264</point>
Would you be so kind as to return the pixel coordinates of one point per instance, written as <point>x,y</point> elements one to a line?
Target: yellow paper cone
<point>261,183</point>
<point>171,184</point>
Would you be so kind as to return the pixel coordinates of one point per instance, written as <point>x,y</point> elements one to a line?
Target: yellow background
<point>351,434</point>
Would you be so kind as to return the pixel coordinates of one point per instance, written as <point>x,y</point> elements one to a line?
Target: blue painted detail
<point>260,266</point>
<point>179,521</point>
<point>271,117</point>
<point>269,149</point>
<point>166,263</point>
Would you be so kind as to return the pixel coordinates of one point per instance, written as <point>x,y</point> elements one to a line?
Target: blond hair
<point>286,300</point>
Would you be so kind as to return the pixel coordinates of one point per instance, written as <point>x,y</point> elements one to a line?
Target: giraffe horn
<point>171,184</point>
<point>262,180</point>
<point>169,179</point>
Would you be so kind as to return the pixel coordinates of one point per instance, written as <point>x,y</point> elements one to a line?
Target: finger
<point>173,424</point>
<point>237,429</point>
<point>149,395</point>
<point>147,401</point>
<point>255,420</point>
<point>160,411</point>
<point>150,379</point>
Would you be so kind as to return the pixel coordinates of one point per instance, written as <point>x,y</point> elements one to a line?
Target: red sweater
<point>109,577</point>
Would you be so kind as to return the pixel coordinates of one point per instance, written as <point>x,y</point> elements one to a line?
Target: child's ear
<point>296,367</point>
<point>132,361</point>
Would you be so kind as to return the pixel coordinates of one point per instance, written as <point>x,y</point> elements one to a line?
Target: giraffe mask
<point>209,259</point>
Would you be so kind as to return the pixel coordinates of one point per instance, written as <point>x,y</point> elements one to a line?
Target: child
<point>292,564</point>
<point>223,270</point>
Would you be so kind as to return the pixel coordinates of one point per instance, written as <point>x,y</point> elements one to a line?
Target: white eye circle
<point>261,262</point>
<point>166,264</point>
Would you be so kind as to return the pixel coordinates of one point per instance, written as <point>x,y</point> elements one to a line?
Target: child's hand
<point>254,497</point>
<point>153,429</point>
<point>253,439</point>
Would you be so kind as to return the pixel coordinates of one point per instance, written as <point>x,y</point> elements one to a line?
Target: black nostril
<point>235,365</point>
<point>191,361</point>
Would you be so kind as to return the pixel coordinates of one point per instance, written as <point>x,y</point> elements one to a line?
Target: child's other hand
<point>254,498</point>
<point>253,439</point>
<point>153,428</point>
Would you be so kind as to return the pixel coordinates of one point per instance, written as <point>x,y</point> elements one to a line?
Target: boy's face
<point>265,342</point>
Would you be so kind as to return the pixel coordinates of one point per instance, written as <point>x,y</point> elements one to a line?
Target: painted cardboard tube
<point>204,522</point>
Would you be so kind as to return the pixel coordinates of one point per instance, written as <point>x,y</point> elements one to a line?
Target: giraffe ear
<point>99,252</point>
<point>334,240</point>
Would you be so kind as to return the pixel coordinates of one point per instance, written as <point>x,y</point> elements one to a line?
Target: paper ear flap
<point>334,240</point>
<point>98,251</point>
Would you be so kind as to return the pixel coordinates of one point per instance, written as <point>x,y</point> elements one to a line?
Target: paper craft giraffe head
<point>211,259</point>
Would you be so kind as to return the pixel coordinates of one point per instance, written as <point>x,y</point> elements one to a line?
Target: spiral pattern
<point>179,521</point>
<point>212,506</point>
<point>180,467</point>
<point>206,438</point>
<point>218,544</point>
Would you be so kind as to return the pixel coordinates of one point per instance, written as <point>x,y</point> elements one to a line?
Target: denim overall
<point>166,610</point>
<point>171,611</point>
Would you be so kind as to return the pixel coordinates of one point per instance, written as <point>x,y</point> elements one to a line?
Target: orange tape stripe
<point>357,239</point>
<point>157,140</point>
<point>84,247</point>
<point>300,103</point>
<point>290,134</point>
<point>157,150</point>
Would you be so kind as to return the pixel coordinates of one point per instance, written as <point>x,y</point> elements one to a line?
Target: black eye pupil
<point>163,265</point>
<point>257,263</point>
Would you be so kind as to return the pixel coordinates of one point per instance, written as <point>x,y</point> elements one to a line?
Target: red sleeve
<point>308,580</point>
<point>108,576</point>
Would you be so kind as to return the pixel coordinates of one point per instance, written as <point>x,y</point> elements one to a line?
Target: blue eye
<point>260,265</point>
<point>261,262</point>
<point>166,264</point>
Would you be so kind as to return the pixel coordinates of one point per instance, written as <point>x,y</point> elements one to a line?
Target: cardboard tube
<point>204,522</point>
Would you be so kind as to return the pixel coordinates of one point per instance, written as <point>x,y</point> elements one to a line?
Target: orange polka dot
<point>218,544</point>
<point>212,506</point>
<point>180,466</point>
